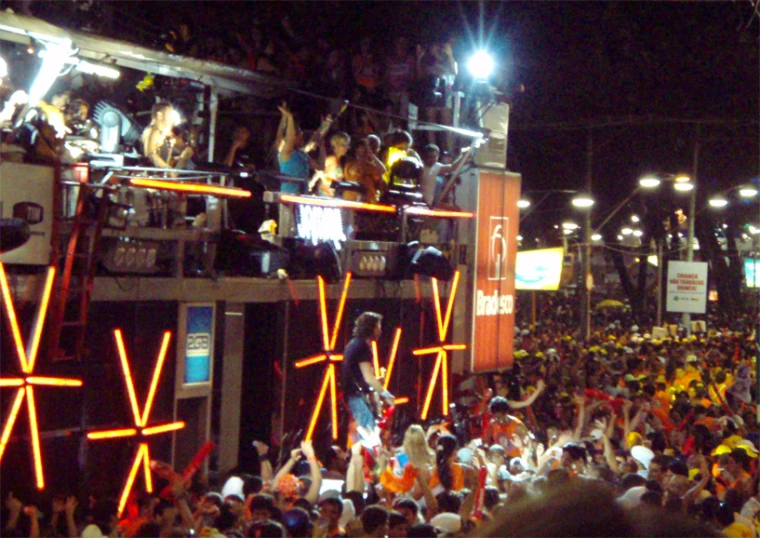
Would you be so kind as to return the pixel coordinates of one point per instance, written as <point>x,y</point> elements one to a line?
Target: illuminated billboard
<point>752,272</point>
<point>539,269</point>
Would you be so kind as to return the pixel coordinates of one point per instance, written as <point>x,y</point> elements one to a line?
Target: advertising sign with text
<point>539,269</point>
<point>496,251</point>
<point>199,343</point>
<point>687,287</point>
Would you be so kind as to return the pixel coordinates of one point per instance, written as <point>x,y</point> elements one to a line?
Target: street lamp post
<point>692,212</point>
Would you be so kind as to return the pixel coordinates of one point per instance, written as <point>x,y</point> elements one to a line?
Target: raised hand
<point>13,504</point>
<point>307,449</point>
<point>71,504</point>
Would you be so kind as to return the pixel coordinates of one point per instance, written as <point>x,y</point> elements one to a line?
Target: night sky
<point>636,74</point>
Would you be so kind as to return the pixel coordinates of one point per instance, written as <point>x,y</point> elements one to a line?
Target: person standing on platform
<point>358,377</point>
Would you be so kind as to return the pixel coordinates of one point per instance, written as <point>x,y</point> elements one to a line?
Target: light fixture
<point>523,203</point>
<point>638,233</point>
<point>519,238</point>
<point>619,237</point>
<point>596,237</point>
<point>718,201</point>
<point>54,58</point>
<point>569,225</point>
<point>635,218</point>
<point>649,182</point>
<point>567,231</point>
<point>626,231</point>
<point>682,178</point>
<point>583,201</point>
<point>480,65</point>
<point>683,187</point>
<point>748,191</point>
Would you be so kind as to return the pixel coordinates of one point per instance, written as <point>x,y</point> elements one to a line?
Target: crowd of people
<point>620,435</point>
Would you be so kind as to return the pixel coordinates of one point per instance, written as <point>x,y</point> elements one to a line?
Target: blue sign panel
<point>198,352</point>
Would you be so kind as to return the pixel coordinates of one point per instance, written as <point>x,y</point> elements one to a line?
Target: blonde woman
<point>339,144</point>
<point>415,446</point>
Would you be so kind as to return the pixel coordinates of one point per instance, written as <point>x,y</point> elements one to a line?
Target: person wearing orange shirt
<point>505,429</point>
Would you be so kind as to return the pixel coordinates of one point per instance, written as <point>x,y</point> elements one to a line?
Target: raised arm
<point>295,455</point>
<point>369,376</point>
<point>316,473</point>
<point>289,139</point>
<point>540,386</point>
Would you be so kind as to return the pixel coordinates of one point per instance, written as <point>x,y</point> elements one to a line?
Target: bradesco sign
<point>687,287</point>
<point>494,294</point>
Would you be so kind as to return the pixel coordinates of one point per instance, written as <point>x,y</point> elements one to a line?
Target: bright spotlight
<point>718,202</point>
<point>638,233</point>
<point>569,225</point>
<point>583,201</point>
<point>683,187</point>
<point>481,65</point>
<point>523,204</point>
<point>649,182</point>
<point>519,238</point>
<point>626,231</point>
<point>748,191</point>
<point>596,237</point>
<point>635,218</point>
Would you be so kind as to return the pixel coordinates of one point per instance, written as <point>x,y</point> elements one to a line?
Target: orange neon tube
<point>392,358</point>
<point>455,347</point>
<point>15,330</point>
<point>146,469</point>
<point>437,303</point>
<point>427,350</point>
<point>318,407</point>
<point>156,375</point>
<point>339,316</point>
<point>53,381</point>
<point>308,362</point>
<point>11,420</point>
<point>450,306</point>
<point>375,359</point>
<point>194,188</point>
<point>131,479</point>
<point>11,382</point>
<point>335,202</point>
<point>35,435</point>
<point>438,213</point>
<point>336,358</point>
<point>39,320</point>
<point>431,386</point>
<point>323,313</point>
<point>112,434</point>
<point>402,400</point>
<point>163,428</point>
<point>333,402</point>
<point>127,376</point>
<point>445,382</point>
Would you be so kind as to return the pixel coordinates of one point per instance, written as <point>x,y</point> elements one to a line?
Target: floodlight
<point>523,204</point>
<point>569,225</point>
<point>683,187</point>
<point>681,178</point>
<point>748,191</point>
<point>481,65</point>
<point>638,233</point>
<point>626,231</point>
<point>583,201</point>
<point>596,237</point>
<point>649,182</point>
<point>718,201</point>
<point>635,218</point>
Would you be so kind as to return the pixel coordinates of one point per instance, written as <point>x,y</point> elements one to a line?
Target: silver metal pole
<point>659,282</point>
<point>692,212</point>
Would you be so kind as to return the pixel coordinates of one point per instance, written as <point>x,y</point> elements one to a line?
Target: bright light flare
<point>523,204</point>
<point>649,182</point>
<point>582,201</point>
<point>718,202</point>
<point>626,231</point>
<point>748,191</point>
<point>596,237</point>
<point>683,187</point>
<point>481,65</point>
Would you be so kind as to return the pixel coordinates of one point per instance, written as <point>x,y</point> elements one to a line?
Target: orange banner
<point>496,250</point>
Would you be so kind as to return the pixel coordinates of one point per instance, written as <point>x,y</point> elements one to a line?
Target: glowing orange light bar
<point>402,400</point>
<point>318,407</point>
<point>333,403</point>
<point>445,383</point>
<point>39,321</point>
<point>11,382</point>
<point>156,375</point>
<point>323,312</point>
<point>455,347</point>
<point>336,202</point>
<point>131,477</point>
<point>375,359</point>
<point>336,358</point>
<point>431,385</point>
<point>35,434</point>
<point>194,188</point>
<point>15,330</point>
<point>438,213</point>
<point>392,358</point>
<point>450,306</point>
<point>437,304</point>
<point>11,420</point>
<point>112,434</point>
<point>53,381</point>
<point>146,470</point>
<point>427,350</point>
<point>163,428</point>
<point>127,376</point>
<point>310,361</point>
<point>339,315</point>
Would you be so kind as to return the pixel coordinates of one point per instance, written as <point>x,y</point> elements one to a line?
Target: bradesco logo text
<point>494,304</point>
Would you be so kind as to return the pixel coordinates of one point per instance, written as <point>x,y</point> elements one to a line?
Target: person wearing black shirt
<point>358,377</point>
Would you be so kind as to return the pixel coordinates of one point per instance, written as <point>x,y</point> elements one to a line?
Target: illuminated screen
<point>752,272</point>
<point>539,269</point>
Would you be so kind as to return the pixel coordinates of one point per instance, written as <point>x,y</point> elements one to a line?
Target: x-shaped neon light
<point>141,428</point>
<point>442,349</point>
<point>27,358</point>
<point>328,354</point>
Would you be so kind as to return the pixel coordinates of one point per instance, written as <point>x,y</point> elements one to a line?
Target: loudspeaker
<point>493,152</point>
